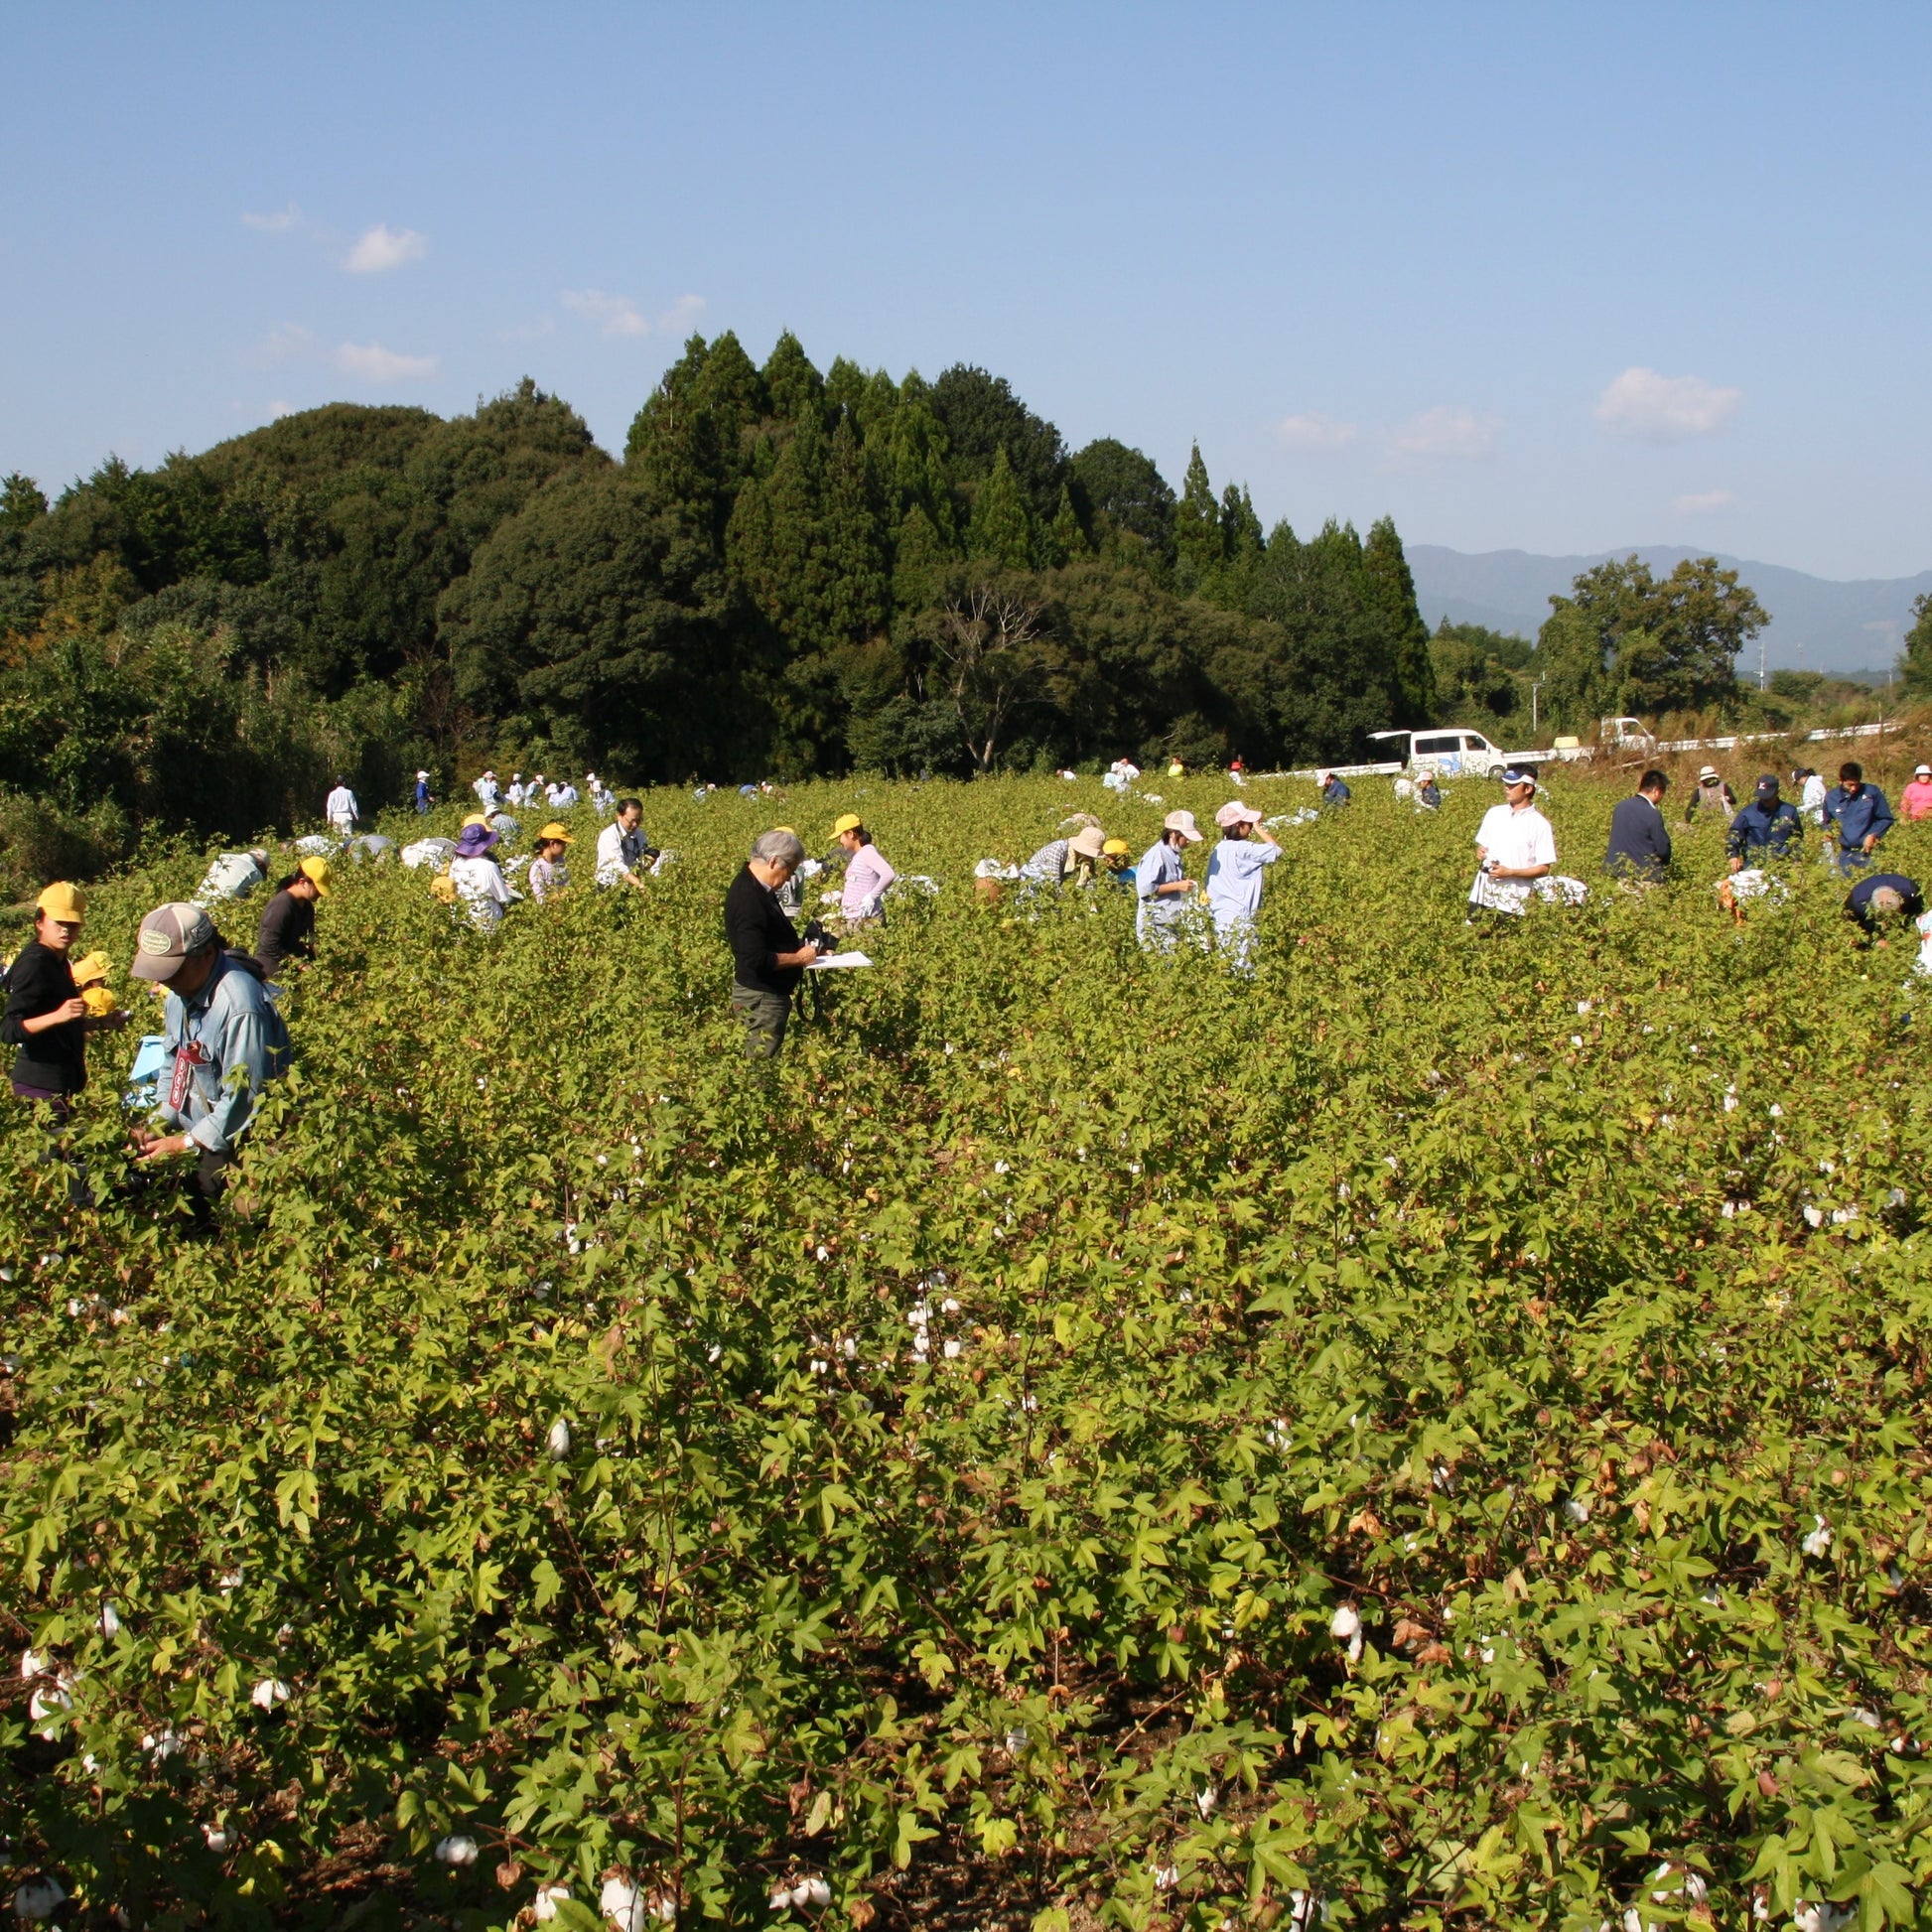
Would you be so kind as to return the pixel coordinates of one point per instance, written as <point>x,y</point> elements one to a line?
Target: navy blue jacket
<point>1865,816</point>
<point>1858,903</point>
<point>1639,839</point>
<point>1334,792</point>
<point>1758,828</point>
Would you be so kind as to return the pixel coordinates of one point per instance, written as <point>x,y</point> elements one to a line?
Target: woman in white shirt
<point>1515,847</point>
<point>478,879</point>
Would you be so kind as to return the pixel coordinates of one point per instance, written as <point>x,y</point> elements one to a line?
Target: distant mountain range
<point>1817,625</point>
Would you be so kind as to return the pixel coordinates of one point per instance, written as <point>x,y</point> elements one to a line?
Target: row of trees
<point>787,573</point>
<point>1623,641</point>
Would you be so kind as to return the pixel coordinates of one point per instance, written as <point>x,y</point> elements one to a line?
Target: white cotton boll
<point>544,1907</point>
<point>1575,1039</point>
<point>32,1663</point>
<point>849,1348</point>
<point>820,1368</point>
<point>1016,1743</point>
<point>47,1708</point>
<point>621,1903</point>
<point>1820,1539</point>
<point>1841,1215</point>
<point>825,1252</point>
<point>110,1621</point>
<point>1165,1878</point>
<point>1731,1103</point>
<point>1858,1714</point>
<point>457,1849</point>
<point>1582,1006</point>
<point>1345,1623</point>
<point>817,1892</point>
<point>270,1692</point>
<point>1576,1509</point>
<point>949,1305</point>
<point>1814,1215</point>
<point>1205,1801</point>
<point>1355,1648</point>
<point>117,1315</point>
<point>1777,1112</point>
<point>780,1897</point>
<point>952,1351</point>
<point>557,1443</point>
<point>1896,1199</point>
<point>714,1353</point>
<point>73,1306</point>
<point>38,1899</point>
<point>160,1745</point>
<point>217,1837</point>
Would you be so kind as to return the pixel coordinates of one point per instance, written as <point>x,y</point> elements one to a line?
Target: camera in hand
<point>816,935</point>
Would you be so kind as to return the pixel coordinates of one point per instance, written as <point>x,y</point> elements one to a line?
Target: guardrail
<point>1571,755</point>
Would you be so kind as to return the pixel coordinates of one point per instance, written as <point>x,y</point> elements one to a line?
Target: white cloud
<point>372,362</point>
<point>1664,408</point>
<point>277,410</point>
<point>1700,500</point>
<point>1315,430</point>
<point>279,223</point>
<point>385,248</point>
<point>1448,432</point>
<point>526,332</point>
<point>615,314</point>
<point>682,314</point>
<point>285,343</point>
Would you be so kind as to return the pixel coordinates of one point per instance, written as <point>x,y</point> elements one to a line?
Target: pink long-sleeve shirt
<point>867,876</point>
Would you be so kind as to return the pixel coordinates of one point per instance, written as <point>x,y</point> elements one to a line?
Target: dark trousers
<point>765,1014</point>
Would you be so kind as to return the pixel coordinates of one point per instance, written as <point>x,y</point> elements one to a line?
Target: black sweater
<point>56,1060</point>
<point>287,931</point>
<point>759,931</point>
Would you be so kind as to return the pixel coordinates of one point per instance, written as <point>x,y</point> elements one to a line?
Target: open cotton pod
<point>558,1441</point>
<point>38,1899</point>
<point>455,1850</point>
<point>217,1837</point>
<point>544,1907</point>
<point>270,1692</point>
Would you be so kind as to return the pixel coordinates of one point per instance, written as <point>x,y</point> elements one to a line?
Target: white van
<point>1449,752</point>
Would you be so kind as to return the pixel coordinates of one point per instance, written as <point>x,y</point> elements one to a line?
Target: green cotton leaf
<point>1885,1896</point>
<point>820,1814</point>
<point>548,1584</point>
<point>908,1833</point>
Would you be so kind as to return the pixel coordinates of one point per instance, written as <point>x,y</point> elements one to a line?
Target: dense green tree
<point>22,502</point>
<point>1201,546</point>
<point>981,417</point>
<point>796,391</point>
<point>594,626</point>
<point>1624,642</point>
<point>1475,672</point>
<point>1391,592</point>
<point>1003,524</point>
<point>1123,496</point>
<point>1064,539</point>
<point>1915,663</point>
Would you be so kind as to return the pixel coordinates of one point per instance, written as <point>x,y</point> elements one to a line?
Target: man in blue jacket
<point>1861,814</point>
<point>1639,839</point>
<point>225,1043</point>
<point>1767,828</point>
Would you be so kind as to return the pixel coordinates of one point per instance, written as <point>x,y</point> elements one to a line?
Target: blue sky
<point>1555,277</point>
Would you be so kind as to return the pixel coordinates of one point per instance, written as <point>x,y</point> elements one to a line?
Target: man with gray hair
<point>768,956</point>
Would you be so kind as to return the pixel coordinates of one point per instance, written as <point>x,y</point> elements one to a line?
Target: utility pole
<point>1760,662</point>
<point>1534,687</point>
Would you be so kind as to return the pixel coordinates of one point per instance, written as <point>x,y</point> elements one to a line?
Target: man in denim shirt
<point>1766,827</point>
<point>1862,815</point>
<point>226,1042</point>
